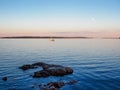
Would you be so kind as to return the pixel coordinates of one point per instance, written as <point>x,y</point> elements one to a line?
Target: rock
<point>45,66</point>
<point>32,66</point>
<point>61,71</point>
<point>4,78</point>
<point>48,69</point>
<point>68,70</point>
<point>38,64</point>
<point>52,86</point>
<point>26,67</point>
<point>72,82</point>
<point>56,85</point>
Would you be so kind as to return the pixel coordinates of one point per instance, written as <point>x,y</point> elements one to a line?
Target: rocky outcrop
<point>52,86</point>
<point>38,64</point>
<point>48,69</point>
<point>26,67</point>
<point>56,85</point>
<point>59,71</point>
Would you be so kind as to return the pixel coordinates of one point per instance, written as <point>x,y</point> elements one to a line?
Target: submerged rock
<point>4,78</point>
<point>52,86</point>
<point>72,82</point>
<point>55,85</point>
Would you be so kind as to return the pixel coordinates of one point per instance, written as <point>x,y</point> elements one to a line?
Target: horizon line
<point>57,37</point>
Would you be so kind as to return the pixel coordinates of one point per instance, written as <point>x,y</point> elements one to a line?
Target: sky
<point>93,18</point>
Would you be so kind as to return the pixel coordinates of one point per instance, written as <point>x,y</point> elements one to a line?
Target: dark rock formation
<point>72,82</point>
<point>26,67</point>
<point>48,69</point>
<point>56,71</point>
<point>55,85</point>
<point>38,64</point>
<point>4,78</point>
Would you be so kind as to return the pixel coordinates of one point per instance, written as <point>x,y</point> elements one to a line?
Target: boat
<point>51,39</point>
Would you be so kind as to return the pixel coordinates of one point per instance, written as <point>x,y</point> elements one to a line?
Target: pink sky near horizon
<point>60,27</point>
<point>98,34</point>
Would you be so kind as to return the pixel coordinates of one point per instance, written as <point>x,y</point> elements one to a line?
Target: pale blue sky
<point>36,16</point>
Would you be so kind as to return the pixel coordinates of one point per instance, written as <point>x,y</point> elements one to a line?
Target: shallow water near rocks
<point>96,62</point>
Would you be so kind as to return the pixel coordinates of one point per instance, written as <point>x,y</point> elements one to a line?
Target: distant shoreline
<point>55,37</point>
<point>46,37</point>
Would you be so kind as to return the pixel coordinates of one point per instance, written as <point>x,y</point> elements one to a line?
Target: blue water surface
<point>96,62</point>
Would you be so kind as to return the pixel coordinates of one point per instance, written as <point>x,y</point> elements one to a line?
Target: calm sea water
<point>96,62</point>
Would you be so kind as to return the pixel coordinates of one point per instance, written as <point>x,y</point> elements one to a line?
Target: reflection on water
<point>96,62</point>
